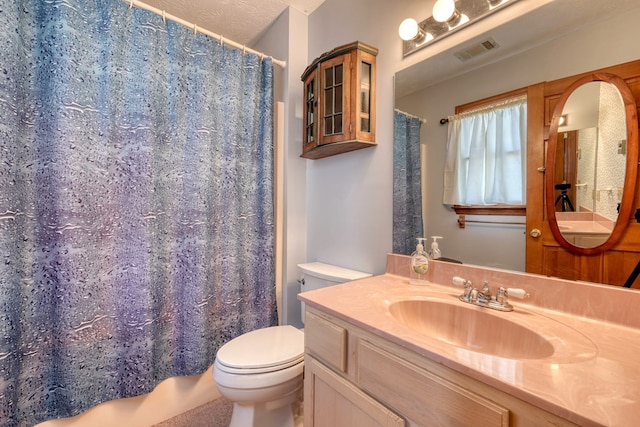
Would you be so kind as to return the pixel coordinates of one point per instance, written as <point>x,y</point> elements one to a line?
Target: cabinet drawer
<point>421,396</point>
<point>326,340</point>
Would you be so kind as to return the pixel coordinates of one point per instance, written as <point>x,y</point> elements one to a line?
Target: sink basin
<point>472,328</point>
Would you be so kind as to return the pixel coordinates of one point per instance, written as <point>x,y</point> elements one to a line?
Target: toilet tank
<point>316,275</point>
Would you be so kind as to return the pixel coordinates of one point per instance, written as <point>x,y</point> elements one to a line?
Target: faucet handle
<point>485,288</point>
<point>517,293</point>
<point>456,280</point>
<point>470,294</point>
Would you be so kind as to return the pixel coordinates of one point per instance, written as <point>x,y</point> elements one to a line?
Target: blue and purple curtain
<point>407,187</point>
<point>136,203</point>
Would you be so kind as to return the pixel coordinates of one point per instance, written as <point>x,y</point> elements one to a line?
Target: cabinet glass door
<point>365,97</point>
<point>333,99</point>
<point>310,108</point>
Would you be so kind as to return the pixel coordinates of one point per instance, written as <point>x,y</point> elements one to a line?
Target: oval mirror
<point>592,160</point>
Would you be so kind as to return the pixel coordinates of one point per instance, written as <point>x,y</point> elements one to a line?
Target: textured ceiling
<point>243,21</point>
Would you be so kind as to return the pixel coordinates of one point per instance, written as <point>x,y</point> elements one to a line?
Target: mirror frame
<point>628,195</point>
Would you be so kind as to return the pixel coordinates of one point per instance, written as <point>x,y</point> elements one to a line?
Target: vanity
<point>379,351</point>
<point>584,229</point>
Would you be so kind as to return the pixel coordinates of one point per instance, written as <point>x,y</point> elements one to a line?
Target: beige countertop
<point>592,377</point>
<point>583,227</point>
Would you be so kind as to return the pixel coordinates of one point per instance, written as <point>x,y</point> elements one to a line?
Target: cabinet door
<point>335,108</point>
<point>363,102</point>
<point>332,401</point>
<point>310,136</point>
<point>423,397</point>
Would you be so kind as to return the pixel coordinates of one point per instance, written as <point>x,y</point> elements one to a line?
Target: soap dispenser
<point>419,264</point>
<point>435,253</point>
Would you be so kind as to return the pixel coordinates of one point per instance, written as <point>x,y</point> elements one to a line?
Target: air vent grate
<point>477,49</point>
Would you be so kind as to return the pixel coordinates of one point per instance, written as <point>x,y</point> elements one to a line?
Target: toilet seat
<point>262,351</point>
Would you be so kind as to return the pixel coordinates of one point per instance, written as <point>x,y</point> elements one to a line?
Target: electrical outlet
<point>622,147</point>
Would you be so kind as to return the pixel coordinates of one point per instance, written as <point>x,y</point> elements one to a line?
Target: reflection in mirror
<point>589,176</point>
<point>407,186</point>
<point>589,167</point>
<point>434,86</point>
<point>576,170</point>
<point>586,164</point>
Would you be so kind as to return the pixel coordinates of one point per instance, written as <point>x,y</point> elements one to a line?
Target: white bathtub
<point>171,397</point>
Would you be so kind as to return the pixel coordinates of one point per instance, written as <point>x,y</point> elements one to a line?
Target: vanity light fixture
<point>445,11</point>
<point>448,17</point>
<point>410,30</point>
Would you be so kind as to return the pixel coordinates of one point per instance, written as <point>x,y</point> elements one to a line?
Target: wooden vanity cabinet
<point>339,101</point>
<point>354,378</point>
<point>330,395</point>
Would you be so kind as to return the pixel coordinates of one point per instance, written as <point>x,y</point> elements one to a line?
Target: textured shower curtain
<point>136,203</point>
<point>407,188</point>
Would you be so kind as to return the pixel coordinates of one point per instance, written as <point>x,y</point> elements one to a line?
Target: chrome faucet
<point>483,298</point>
<point>485,293</point>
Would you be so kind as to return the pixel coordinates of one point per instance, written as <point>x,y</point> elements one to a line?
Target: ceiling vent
<point>477,49</point>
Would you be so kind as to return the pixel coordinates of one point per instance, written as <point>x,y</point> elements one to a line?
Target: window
<point>486,156</point>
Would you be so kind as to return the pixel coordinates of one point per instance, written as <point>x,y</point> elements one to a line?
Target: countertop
<point>583,227</point>
<point>592,380</point>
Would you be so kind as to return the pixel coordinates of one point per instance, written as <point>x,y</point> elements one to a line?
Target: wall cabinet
<point>339,101</point>
<point>353,377</point>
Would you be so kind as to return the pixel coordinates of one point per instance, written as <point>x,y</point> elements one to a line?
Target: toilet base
<point>275,413</point>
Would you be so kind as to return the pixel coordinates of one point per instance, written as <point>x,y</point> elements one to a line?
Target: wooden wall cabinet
<point>339,101</point>
<point>354,378</point>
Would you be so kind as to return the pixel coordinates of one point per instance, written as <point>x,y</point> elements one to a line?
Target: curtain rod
<point>197,29</point>
<point>411,115</point>
<point>503,103</point>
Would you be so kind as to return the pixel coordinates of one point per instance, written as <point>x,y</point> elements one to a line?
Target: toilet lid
<point>263,349</point>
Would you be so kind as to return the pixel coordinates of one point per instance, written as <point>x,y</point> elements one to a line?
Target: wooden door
<point>566,172</point>
<point>543,254</point>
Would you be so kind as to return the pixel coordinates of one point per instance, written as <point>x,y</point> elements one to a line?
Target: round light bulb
<point>443,10</point>
<point>408,29</point>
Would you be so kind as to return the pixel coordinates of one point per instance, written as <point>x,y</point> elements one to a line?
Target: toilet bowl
<point>261,373</point>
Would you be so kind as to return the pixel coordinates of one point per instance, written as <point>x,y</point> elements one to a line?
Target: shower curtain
<point>407,188</point>
<point>136,203</point>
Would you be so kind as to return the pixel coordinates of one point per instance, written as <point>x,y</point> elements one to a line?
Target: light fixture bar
<point>465,13</point>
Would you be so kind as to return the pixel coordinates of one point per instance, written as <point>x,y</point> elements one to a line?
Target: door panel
<point>543,253</point>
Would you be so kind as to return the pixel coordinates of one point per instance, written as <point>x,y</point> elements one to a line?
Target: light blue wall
<point>287,40</point>
<point>338,209</point>
<point>596,46</point>
<point>349,195</point>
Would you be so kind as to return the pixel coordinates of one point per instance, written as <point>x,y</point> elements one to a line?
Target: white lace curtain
<point>486,156</point>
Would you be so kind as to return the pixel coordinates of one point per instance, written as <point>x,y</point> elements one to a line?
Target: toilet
<point>316,275</point>
<point>261,371</point>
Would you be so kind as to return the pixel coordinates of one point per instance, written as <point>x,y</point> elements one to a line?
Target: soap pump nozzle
<point>435,253</point>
